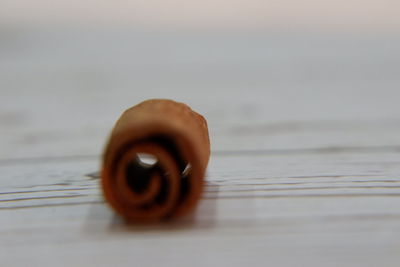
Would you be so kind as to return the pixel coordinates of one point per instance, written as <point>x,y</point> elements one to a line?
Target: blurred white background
<point>227,14</point>
<point>69,68</point>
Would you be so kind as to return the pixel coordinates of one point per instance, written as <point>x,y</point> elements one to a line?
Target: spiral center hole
<point>147,159</point>
<point>138,172</point>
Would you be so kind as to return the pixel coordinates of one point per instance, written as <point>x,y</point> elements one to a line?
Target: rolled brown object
<point>177,139</point>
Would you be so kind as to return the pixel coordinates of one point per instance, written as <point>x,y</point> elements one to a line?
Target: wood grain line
<point>355,195</point>
<point>220,185</point>
<point>303,188</point>
<point>52,205</point>
<point>300,183</point>
<point>37,198</point>
<point>293,177</point>
<point>46,190</point>
<point>221,153</point>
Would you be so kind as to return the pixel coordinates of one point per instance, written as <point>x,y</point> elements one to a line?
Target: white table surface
<point>305,132</point>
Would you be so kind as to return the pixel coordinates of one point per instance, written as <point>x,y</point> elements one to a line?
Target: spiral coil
<point>176,139</point>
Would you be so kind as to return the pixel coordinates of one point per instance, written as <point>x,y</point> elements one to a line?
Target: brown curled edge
<point>177,139</point>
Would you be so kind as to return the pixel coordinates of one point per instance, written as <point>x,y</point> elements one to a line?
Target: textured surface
<point>305,135</point>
